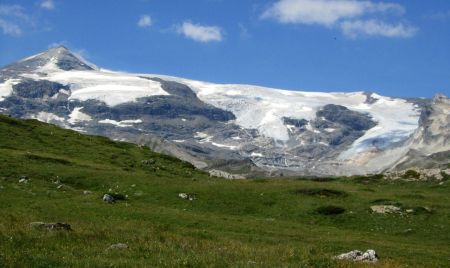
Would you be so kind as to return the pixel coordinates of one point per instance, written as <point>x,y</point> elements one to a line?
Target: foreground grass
<point>261,223</point>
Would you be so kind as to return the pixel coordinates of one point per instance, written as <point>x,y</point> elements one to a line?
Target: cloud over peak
<point>351,16</point>
<point>200,33</point>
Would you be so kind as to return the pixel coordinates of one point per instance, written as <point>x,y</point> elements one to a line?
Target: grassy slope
<point>232,223</point>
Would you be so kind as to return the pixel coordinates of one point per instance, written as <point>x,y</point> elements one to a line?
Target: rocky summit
<point>230,128</point>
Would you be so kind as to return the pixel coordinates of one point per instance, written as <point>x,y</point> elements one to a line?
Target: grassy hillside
<point>251,223</point>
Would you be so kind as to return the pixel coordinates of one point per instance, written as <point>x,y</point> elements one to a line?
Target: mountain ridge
<point>239,128</point>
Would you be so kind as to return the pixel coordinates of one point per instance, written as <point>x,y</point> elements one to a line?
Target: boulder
<point>23,179</point>
<point>384,209</point>
<point>108,198</point>
<point>355,255</point>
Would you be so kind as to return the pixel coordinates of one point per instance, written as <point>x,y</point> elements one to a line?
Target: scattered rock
<point>416,174</point>
<point>86,192</point>
<point>226,175</point>
<point>187,196</point>
<point>369,256</point>
<point>119,246</point>
<point>59,226</point>
<point>410,210</point>
<point>61,187</point>
<point>23,179</point>
<point>108,198</point>
<point>383,209</point>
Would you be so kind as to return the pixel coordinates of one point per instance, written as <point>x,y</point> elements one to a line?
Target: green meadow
<point>276,222</point>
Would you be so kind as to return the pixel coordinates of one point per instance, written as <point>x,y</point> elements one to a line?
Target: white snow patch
<point>183,119</point>
<point>290,127</point>
<point>123,123</point>
<point>257,154</point>
<point>178,141</point>
<point>47,117</point>
<point>231,147</point>
<point>329,130</point>
<point>6,88</point>
<point>113,88</point>
<point>200,135</point>
<point>77,116</point>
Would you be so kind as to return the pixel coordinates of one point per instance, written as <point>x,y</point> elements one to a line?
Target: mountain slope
<point>238,128</point>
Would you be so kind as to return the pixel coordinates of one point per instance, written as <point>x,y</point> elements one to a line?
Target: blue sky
<point>395,48</point>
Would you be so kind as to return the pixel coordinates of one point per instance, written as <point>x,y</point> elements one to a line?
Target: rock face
<point>235,129</point>
<point>369,256</point>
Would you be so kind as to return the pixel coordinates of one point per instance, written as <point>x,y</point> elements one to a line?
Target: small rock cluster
<point>118,246</point>
<point>187,196</point>
<point>385,209</point>
<point>416,174</point>
<point>369,256</point>
<point>226,175</point>
<point>59,226</point>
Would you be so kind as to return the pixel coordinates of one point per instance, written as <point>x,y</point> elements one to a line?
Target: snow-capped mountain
<point>233,127</point>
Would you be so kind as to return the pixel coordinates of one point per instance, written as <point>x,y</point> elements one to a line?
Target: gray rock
<point>23,179</point>
<point>108,198</point>
<point>369,256</point>
<point>187,196</point>
<point>385,209</point>
<point>59,226</point>
<point>226,175</point>
<point>118,246</point>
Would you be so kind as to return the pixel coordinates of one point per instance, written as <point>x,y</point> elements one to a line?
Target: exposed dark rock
<point>29,88</point>
<point>295,122</point>
<point>340,114</point>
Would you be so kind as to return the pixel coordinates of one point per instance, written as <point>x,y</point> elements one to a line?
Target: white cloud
<point>200,33</point>
<point>10,28</point>
<point>357,28</point>
<point>349,15</point>
<point>145,21</point>
<point>11,18</point>
<point>48,4</point>
<point>441,15</point>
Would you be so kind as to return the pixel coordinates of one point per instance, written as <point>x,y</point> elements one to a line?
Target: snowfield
<point>113,88</point>
<point>263,109</point>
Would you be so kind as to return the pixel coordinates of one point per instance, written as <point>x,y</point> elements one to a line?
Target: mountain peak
<point>59,57</point>
<point>64,59</point>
